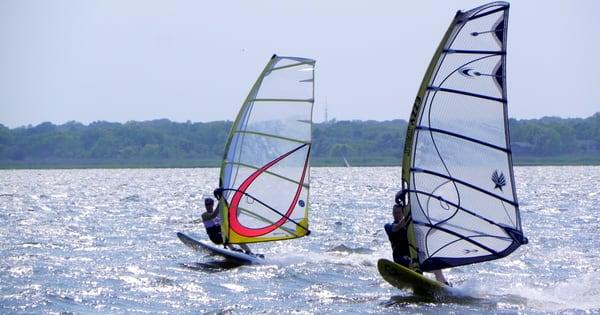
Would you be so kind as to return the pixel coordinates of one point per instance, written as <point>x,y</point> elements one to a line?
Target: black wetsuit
<point>213,229</point>
<point>214,233</point>
<point>399,241</point>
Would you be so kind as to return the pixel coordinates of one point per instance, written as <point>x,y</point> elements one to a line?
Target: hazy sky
<point>119,60</point>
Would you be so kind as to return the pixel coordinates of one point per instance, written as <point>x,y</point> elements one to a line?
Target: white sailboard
<point>240,257</point>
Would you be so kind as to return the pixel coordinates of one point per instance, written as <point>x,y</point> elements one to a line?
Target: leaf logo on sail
<point>499,180</point>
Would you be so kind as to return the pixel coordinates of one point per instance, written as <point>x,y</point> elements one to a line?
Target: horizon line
<point>30,125</point>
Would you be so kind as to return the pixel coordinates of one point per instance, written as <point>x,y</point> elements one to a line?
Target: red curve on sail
<point>235,224</point>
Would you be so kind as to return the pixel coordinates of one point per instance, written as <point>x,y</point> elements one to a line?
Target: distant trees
<point>104,141</point>
<point>550,136</point>
<point>359,138</point>
<point>167,143</point>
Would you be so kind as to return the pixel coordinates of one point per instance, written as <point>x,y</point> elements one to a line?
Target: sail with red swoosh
<point>265,169</point>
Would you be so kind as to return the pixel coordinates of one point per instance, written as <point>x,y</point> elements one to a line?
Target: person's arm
<point>388,228</point>
<point>218,193</point>
<point>397,226</point>
<point>210,216</point>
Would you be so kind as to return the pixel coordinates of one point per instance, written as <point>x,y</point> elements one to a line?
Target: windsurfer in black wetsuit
<point>212,223</point>
<point>398,235</point>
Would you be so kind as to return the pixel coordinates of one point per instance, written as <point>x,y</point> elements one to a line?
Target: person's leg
<point>402,260</point>
<point>214,234</point>
<point>248,251</point>
<point>439,276</point>
<point>230,247</point>
<point>245,248</point>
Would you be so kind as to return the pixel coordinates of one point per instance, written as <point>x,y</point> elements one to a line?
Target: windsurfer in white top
<point>393,231</point>
<point>212,223</point>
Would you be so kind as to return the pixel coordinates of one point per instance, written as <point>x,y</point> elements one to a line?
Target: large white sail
<point>265,170</point>
<point>457,158</point>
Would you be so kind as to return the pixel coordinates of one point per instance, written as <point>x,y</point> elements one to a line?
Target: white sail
<point>346,162</point>
<point>457,163</point>
<point>265,170</point>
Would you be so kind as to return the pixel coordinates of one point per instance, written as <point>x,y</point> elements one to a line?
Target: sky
<point>121,60</point>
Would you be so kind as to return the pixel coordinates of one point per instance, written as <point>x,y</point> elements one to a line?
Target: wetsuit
<point>213,229</point>
<point>399,241</point>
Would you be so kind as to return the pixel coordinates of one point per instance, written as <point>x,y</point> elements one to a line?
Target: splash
<point>580,293</point>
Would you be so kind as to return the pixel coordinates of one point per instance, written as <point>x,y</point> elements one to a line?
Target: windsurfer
<point>398,235</point>
<point>212,223</point>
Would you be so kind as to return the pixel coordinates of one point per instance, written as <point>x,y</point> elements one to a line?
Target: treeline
<point>104,141</point>
<point>167,143</point>
<point>555,136</point>
<point>359,142</point>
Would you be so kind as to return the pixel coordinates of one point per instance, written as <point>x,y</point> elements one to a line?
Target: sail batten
<point>265,170</point>
<point>283,100</point>
<point>459,238</point>
<point>292,65</point>
<point>457,166</point>
<point>263,219</point>
<point>271,136</point>
<point>450,133</point>
<point>465,210</point>
<point>268,173</point>
<point>480,15</point>
<point>487,97</point>
<point>462,182</point>
<point>480,52</point>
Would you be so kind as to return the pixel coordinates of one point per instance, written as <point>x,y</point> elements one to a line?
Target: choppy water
<point>103,241</point>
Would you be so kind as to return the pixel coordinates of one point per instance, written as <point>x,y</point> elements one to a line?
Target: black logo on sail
<point>469,72</point>
<point>499,180</point>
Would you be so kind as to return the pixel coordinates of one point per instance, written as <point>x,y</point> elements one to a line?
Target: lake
<point>103,241</point>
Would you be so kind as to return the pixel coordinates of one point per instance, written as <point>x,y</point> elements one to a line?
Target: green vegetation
<point>552,137</point>
<point>162,143</point>
<point>360,142</point>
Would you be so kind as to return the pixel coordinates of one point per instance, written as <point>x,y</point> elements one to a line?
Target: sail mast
<point>410,135</point>
<point>223,207</point>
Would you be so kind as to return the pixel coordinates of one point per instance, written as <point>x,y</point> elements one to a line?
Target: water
<point>103,241</point>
